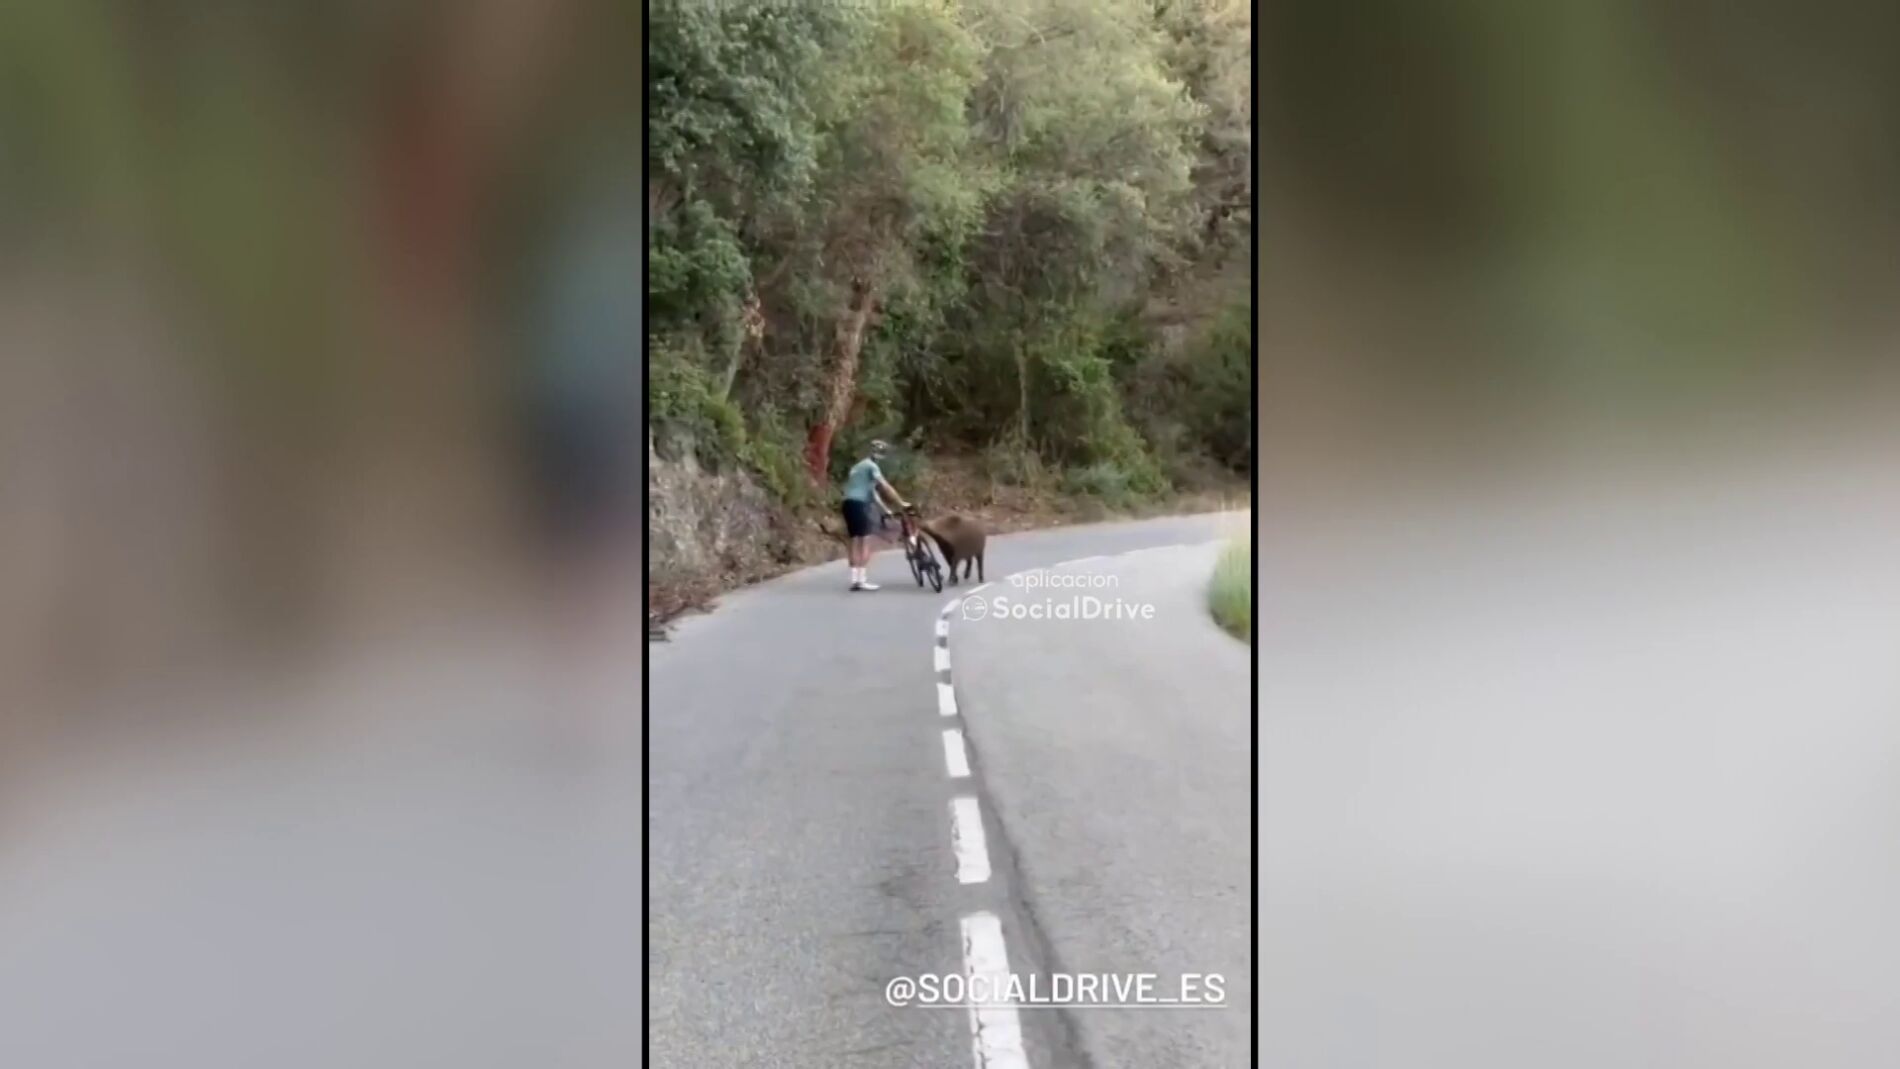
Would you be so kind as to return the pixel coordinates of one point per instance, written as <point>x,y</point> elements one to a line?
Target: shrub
<point>905,467</point>
<point>1217,389</point>
<point>1230,592</point>
<point>1011,464</point>
<point>685,402</point>
<point>1106,481</point>
<point>773,450</point>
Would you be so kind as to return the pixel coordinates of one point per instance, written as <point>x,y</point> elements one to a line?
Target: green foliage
<point>1218,377</point>
<point>905,468</point>
<point>1014,464</point>
<point>773,452</point>
<point>732,88</point>
<point>1078,404</point>
<point>685,406</point>
<point>1011,181</point>
<point>694,264</point>
<point>683,400</point>
<point>1105,481</point>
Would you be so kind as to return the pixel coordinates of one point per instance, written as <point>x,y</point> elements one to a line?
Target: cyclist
<point>864,489</point>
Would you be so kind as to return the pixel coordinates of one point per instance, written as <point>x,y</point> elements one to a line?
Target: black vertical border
<point>646,563</point>
<point>1257,520</point>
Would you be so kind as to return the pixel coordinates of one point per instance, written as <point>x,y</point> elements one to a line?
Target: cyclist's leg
<point>857,534</point>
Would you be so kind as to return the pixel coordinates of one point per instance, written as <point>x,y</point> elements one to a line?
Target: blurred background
<point>285,292</point>
<point>1577,683</point>
<point>319,393</point>
<point>1500,224</point>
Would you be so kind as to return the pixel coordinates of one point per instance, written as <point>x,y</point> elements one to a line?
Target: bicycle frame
<point>923,560</point>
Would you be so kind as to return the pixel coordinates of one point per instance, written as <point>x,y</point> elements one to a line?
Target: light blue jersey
<point>858,485</point>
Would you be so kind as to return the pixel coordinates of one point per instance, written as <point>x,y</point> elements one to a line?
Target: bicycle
<point>917,550</point>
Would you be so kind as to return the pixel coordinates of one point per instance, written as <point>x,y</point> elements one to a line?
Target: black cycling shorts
<point>857,518</point>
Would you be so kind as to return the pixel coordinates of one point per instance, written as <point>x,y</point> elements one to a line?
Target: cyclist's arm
<point>887,494</point>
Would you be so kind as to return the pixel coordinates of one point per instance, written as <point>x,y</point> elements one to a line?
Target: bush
<point>774,451</point>
<point>1217,389</point>
<point>1105,481</point>
<point>686,405</point>
<point>1082,419</point>
<point>1010,464</point>
<point>685,401</point>
<point>1230,592</point>
<point>905,467</point>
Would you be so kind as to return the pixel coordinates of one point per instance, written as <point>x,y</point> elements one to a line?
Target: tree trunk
<point>841,381</point>
<point>1022,385</point>
<point>732,371</point>
<point>752,336</point>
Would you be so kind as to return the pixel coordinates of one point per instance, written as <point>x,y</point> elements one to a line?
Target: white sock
<point>857,575</point>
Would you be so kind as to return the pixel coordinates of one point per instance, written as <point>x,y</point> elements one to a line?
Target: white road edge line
<point>977,589</point>
<point>940,658</point>
<point>943,627</point>
<point>996,1035</point>
<point>946,700</point>
<point>966,836</point>
<point>954,757</point>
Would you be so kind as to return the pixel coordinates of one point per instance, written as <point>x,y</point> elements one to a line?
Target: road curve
<point>807,841</point>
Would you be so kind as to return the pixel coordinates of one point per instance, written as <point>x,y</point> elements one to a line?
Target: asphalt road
<point>807,846</point>
<point>1116,754</point>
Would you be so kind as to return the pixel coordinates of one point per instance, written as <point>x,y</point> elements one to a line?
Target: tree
<point>895,178</point>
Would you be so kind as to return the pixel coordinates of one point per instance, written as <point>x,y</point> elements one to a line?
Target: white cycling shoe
<point>866,585</point>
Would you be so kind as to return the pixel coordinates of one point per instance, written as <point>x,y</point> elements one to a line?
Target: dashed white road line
<point>955,758</point>
<point>996,1038</point>
<point>966,837</point>
<point>996,1035</point>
